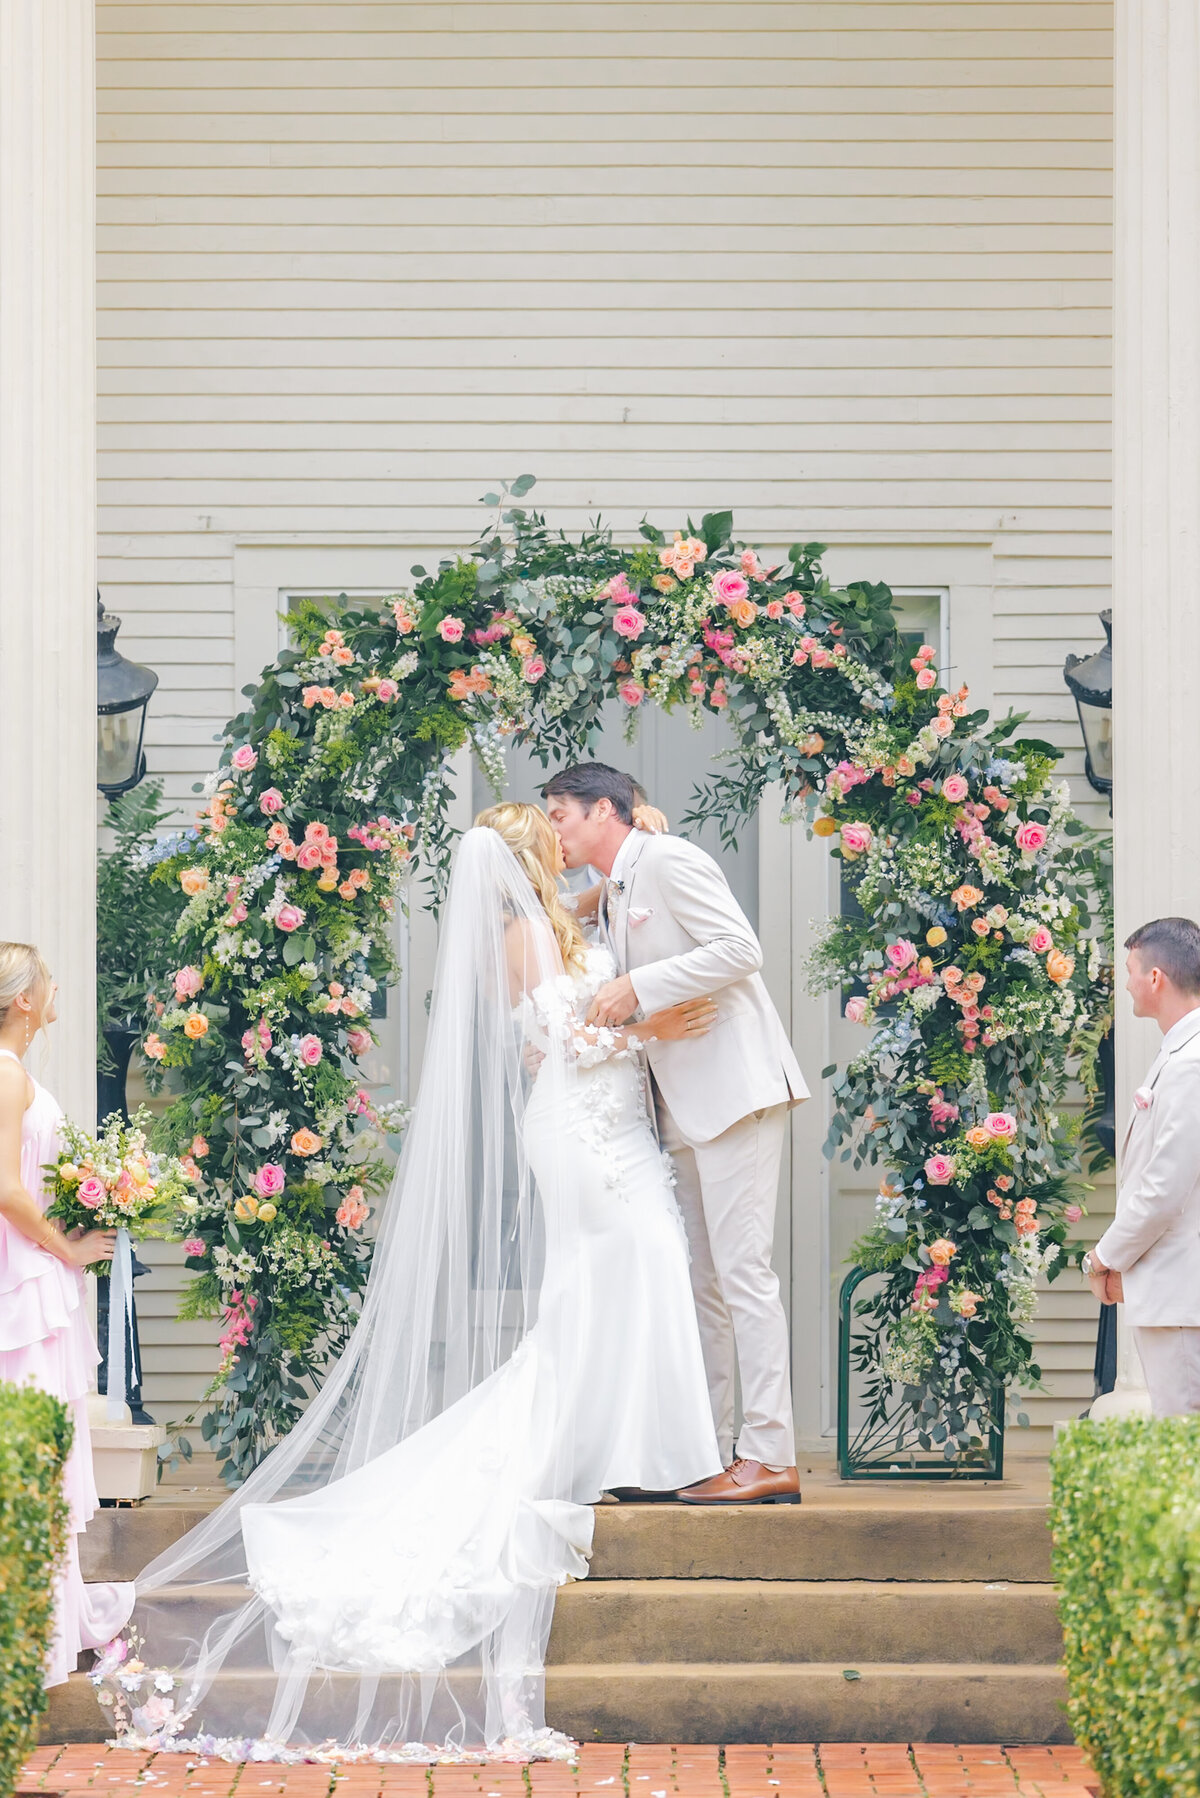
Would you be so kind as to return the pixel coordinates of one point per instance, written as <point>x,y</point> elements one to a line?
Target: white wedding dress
<point>528,1341</point>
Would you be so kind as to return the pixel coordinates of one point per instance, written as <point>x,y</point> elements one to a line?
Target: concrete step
<point>719,1702</point>
<point>648,1621</point>
<point>799,1621</point>
<point>889,1702</point>
<point>981,1536</point>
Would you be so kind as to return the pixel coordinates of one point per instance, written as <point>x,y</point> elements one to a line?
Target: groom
<point>676,933</point>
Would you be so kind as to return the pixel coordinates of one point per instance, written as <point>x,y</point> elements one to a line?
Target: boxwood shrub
<point>35,1439</point>
<point>1125,1512</point>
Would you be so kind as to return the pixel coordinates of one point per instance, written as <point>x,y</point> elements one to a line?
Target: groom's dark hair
<point>1172,944</point>
<point>590,781</point>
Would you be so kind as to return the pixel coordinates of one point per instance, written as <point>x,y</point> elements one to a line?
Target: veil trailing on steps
<point>384,1581</point>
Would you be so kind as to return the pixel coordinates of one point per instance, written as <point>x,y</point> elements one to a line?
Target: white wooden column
<point>1156,570</point>
<point>48,513</point>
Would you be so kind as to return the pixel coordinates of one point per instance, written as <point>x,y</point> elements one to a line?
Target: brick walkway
<point>787,1770</point>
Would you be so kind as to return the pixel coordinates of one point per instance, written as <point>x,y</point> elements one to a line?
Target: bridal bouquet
<point>114,1181</point>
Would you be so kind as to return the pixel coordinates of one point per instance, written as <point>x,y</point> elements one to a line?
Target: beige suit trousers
<point>727,1191</point>
<point>1170,1358</point>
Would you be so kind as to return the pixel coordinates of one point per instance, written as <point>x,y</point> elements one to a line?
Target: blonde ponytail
<point>530,835</point>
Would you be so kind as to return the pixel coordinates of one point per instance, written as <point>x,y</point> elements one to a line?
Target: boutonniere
<point>638,915</point>
<point>1143,1098</point>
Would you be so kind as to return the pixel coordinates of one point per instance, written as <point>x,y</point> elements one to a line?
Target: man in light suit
<point>1149,1256</point>
<point>677,932</point>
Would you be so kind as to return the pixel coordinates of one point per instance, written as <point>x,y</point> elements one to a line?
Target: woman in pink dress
<point>45,1336</point>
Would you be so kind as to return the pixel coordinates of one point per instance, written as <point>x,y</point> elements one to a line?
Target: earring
<point>28,1033</point>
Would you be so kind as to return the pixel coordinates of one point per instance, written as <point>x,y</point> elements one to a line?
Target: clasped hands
<point>1107,1286</point>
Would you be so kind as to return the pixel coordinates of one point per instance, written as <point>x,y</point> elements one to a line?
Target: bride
<point>383,1584</point>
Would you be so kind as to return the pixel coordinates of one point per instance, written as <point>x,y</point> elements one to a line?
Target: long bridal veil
<point>386,1577</point>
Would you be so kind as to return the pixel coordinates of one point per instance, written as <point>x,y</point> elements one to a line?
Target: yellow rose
<point>925,966</point>
<point>824,827</point>
<point>327,883</point>
<point>245,1209</point>
<point>68,1172</point>
<point>935,937</point>
<point>195,1025</point>
<point>267,1213</point>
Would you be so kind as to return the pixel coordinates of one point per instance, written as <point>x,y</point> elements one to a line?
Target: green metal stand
<point>887,1447</point>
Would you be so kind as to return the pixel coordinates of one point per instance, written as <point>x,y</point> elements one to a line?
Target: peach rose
<point>965,896</point>
<point>978,1137</point>
<point>305,1142</point>
<point>195,1025</point>
<point>193,881</point>
<point>153,1047</point>
<point>926,678</point>
<point>743,612</point>
<point>942,1252</point>
<point>941,726</point>
<point>1060,967</point>
<point>199,1147</point>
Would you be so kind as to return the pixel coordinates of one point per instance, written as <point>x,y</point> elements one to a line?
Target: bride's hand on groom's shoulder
<point>651,820</point>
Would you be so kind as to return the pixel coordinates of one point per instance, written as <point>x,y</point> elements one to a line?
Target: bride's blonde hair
<point>529,834</point>
<point>22,970</point>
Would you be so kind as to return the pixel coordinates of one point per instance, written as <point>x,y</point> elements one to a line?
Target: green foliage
<point>35,1440</point>
<point>135,917</point>
<point>1125,1513</point>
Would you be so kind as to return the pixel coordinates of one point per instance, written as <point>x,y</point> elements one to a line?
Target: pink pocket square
<point>1143,1098</point>
<point>638,915</point>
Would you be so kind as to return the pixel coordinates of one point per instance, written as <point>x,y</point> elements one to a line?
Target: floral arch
<point>969,950</point>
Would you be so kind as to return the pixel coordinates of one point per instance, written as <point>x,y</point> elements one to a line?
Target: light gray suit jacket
<point>679,933</point>
<point>1154,1240</point>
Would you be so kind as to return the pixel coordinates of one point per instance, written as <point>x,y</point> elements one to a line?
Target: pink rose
<point>856,838</point>
<point>188,982</point>
<point>730,587</point>
<point>856,1009</point>
<point>619,591</point>
<point>387,691</point>
<point>1041,940</point>
<point>244,758</point>
<point>194,1246</point>
<point>533,669</point>
<point>774,609</point>
<point>926,679</point>
<point>271,801</point>
<point>289,917</point>
<point>450,630</point>
<point>308,855</point>
<point>901,954</point>
<point>629,622</point>
<point>939,1170</point>
<point>1001,1124</point>
<point>631,692</point>
<point>268,1180</point>
<point>310,1050</point>
<point>359,1042</point>
<point>1073,1213</point>
<point>941,726</point>
<point>954,788</point>
<point>1031,837</point>
<point>91,1192</point>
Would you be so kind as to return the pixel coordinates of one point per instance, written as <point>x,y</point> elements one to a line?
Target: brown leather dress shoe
<point>746,1483</point>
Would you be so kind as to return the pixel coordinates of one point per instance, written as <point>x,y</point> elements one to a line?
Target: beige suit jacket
<point>679,933</point>
<point>1154,1240</point>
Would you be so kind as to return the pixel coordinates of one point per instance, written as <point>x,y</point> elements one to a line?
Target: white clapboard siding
<point>840,264</point>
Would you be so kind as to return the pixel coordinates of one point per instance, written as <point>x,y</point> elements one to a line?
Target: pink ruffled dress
<point>46,1340</point>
